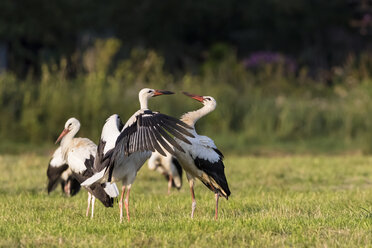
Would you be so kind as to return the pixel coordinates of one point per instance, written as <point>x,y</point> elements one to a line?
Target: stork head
<point>147,93</point>
<point>206,100</point>
<point>71,124</point>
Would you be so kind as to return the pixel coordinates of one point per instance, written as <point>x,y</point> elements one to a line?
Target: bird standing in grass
<point>59,172</point>
<point>202,159</point>
<point>123,149</point>
<point>79,153</point>
<point>167,166</point>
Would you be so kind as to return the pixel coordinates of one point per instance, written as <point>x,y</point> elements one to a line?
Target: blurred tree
<point>316,32</point>
<point>43,31</point>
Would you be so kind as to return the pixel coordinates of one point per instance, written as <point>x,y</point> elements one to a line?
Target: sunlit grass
<point>279,201</point>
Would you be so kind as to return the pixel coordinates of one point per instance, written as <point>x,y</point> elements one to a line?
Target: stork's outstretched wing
<point>150,131</point>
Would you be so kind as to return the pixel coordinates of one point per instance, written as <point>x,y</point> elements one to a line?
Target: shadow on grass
<point>30,192</point>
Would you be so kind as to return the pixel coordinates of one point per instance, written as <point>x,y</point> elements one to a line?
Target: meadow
<point>297,201</point>
<point>297,149</point>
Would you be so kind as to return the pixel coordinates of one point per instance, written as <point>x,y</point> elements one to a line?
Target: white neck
<point>143,101</point>
<point>109,135</point>
<point>192,117</point>
<point>66,140</point>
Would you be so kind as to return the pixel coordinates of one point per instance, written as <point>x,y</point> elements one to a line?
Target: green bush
<point>264,109</point>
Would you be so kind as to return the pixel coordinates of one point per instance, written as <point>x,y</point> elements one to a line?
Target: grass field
<point>296,201</point>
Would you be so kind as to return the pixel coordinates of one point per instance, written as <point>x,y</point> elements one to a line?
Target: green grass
<point>298,201</point>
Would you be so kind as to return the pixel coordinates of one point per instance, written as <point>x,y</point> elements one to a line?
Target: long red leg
<point>217,195</point>
<point>121,203</point>
<point>89,197</point>
<point>126,202</point>
<point>67,188</point>
<point>193,204</point>
<point>170,183</point>
<point>93,201</point>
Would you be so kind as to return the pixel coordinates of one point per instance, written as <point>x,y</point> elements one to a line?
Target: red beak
<point>162,92</point>
<point>64,132</point>
<point>196,97</point>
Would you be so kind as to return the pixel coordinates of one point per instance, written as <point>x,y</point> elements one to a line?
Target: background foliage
<point>288,76</point>
<point>260,110</point>
<point>317,33</point>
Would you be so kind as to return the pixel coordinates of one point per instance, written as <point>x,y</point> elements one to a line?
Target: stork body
<point>167,166</point>
<point>118,166</point>
<point>202,159</point>
<point>59,172</point>
<point>123,150</point>
<point>79,153</point>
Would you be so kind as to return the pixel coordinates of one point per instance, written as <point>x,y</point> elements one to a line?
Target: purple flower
<point>259,59</point>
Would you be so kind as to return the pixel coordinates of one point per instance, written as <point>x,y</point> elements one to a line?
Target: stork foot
<point>193,206</point>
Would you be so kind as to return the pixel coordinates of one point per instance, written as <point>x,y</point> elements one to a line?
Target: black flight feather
<point>175,133</point>
<point>217,172</point>
<point>174,125</point>
<point>168,138</point>
<point>95,189</point>
<point>54,174</point>
<point>218,152</point>
<point>156,137</point>
<point>179,170</point>
<point>150,130</point>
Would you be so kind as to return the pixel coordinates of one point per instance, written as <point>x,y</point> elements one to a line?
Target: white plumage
<point>57,159</point>
<point>202,159</point>
<point>167,166</point>
<point>202,147</point>
<point>79,153</point>
<point>124,149</point>
<point>59,172</point>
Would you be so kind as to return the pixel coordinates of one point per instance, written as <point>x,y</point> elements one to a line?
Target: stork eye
<point>149,91</point>
<point>208,98</point>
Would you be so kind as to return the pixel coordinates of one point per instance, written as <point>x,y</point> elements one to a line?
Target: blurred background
<point>289,76</point>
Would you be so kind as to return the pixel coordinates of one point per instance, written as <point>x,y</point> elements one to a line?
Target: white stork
<point>79,153</point>
<point>124,149</point>
<point>59,172</point>
<point>167,166</point>
<point>202,159</point>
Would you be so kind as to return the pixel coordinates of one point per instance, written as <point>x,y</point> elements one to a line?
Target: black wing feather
<point>151,140</point>
<point>179,170</point>
<point>150,130</point>
<point>163,142</point>
<point>179,122</point>
<point>75,185</point>
<point>156,137</point>
<point>168,138</point>
<point>101,158</point>
<point>217,172</point>
<point>104,161</point>
<point>175,132</point>
<point>147,146</point>
<point>96,189</point>
<point>218,152</point>
<point>54,175</point>
<point>161,136</point>
<point>177,127</point>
